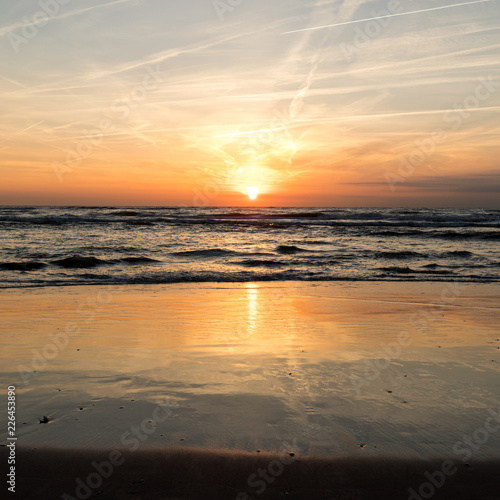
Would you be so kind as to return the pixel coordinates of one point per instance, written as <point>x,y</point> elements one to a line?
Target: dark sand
<point>159,475</point>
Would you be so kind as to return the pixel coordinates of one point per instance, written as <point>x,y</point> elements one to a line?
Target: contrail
<point>388,15</point>
<point>31,126</point>
<point>21,132</point>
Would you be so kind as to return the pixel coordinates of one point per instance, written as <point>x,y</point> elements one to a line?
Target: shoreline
<point>292,281</point>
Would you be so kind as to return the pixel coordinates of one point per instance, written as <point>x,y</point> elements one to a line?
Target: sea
<point>56,246</point>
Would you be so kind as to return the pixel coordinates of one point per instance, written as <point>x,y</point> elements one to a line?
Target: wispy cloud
<point>487,182</point>
<point>241,103</point>
<point>385,16</point>
<point>5,30</point>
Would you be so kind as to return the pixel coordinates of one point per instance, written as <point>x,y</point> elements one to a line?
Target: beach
<point>343,389</point>
<point>249,250</point>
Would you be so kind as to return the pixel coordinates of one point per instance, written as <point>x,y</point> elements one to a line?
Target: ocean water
<point>47,246</point>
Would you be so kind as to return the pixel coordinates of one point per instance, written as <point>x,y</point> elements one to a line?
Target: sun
<point>252,192</point>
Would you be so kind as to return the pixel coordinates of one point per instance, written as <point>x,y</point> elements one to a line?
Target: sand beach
<point>262,390</point>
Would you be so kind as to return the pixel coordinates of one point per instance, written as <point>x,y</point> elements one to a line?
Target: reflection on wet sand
<point>351,369</point>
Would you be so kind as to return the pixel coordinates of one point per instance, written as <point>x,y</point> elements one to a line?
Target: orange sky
<point>132,103</point>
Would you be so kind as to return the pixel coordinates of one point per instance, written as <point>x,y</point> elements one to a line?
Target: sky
<point>250,103</point>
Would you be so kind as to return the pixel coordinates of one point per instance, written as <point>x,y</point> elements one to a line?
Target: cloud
<point>385,16</point>
<point>488,183</point>
<point>303,106</point>
<point>5,30</point>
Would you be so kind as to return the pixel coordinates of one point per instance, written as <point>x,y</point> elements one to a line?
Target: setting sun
<point>252,192</point>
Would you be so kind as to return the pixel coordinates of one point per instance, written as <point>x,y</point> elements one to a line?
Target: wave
<point>126,213</point>
<point>80,262</point>
<point>100,277</point>
<point>260,263</point>
<point>138,260</point>
<point>262,215</point>
<point>481,235</point>
<point>399,270</point>
<point>376,222</point>
<point>139,223</point>
<point>242,277</point>
<point>436,233</point>
<point>315,242</point>
<point>408,254</point>
<point>399,255</point>
<point>210,252</point>
<point>407,270</point>
<point>22,266</point>
<point>302,215</point>
<point>101,244</point>
<point>77,262</point>
<point>48,221</point>
<point>289,249</point>
<point>390,233</point>
<point>458,253</point>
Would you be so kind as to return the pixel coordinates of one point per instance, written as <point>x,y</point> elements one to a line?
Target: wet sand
<point>369,385</point>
